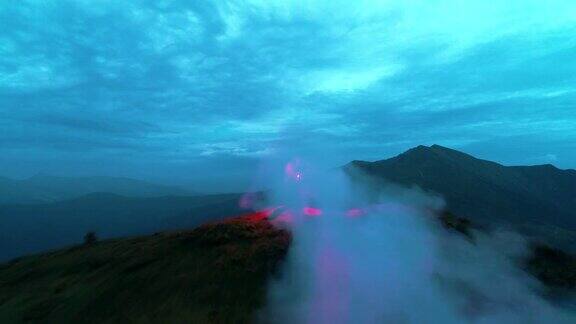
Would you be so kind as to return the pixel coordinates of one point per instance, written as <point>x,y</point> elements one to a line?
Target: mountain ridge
<point>42,188</point>
<point>481,190</point>
<point>439,148</point>
<point>30,228</point>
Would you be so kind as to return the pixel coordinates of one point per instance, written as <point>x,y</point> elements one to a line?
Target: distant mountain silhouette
<point>46,188</point>
<point>483,191</point>
<point>30,228</point>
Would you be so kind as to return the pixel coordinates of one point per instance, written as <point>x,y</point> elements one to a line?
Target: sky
<point>200,92</point>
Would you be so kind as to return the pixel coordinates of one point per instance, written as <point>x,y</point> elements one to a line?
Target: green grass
<point>216,273</point>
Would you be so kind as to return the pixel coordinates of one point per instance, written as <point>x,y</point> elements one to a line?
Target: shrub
<point>90,238</point>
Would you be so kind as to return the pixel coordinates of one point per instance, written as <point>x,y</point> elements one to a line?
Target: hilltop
<point>216,273</point>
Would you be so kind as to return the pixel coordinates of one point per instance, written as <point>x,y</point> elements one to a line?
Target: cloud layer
<point>155,88</point>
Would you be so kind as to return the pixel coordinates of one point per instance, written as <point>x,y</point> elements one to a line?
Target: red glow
<point>311,211</point>
<point>279,214</point>
<point>258,216</point>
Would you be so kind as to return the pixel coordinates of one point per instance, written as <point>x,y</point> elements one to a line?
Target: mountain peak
<point>442,148</point>
<point>432,148</point>
<point>435,150</point>
<point>420,149</point>
<point>546,166</point>
<point>482,189</point>
<point>423,152</point>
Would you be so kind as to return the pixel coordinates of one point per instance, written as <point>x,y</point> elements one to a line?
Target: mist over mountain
<point>422,246</point>
<point>541,199</point>
<point>538,200</point>
<point>46,188</point>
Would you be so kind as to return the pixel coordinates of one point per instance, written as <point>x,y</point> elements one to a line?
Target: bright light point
<point>291,170</point>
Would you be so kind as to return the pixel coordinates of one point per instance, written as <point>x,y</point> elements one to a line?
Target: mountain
<point>38,227</point>
<point>217,273</point>
<point>46,188</point>
<point>539,198</point>
<point>15,191</point>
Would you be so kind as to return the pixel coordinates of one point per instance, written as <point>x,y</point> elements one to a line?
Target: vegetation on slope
<point>553,267</point>
<point>216,273</point>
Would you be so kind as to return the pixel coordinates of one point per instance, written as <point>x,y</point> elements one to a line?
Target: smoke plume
<point>384,258</point>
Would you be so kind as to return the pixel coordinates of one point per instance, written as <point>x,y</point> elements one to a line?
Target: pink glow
<point>291,170</point>
<point>311,211</point>
<point>285,217</point>
<point>354,212</point>
<point>330,291</point>
<point>246,201</point>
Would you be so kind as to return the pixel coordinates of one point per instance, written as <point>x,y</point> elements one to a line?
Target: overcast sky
<point>200,91</point>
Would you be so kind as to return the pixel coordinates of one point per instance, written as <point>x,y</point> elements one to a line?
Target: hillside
<point>40,227</point>
<point>46,188</point>
<point>540,198</point>
<point>216,273</point>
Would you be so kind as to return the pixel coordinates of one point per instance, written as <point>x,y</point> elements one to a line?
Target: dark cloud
<point>190,86</point>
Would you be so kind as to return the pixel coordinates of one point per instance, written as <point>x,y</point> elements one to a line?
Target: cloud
<point>363,78</point>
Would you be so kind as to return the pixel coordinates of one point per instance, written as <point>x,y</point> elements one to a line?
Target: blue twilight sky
<point>198,92</point>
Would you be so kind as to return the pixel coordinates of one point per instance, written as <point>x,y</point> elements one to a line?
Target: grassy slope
<point>216,273</point>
